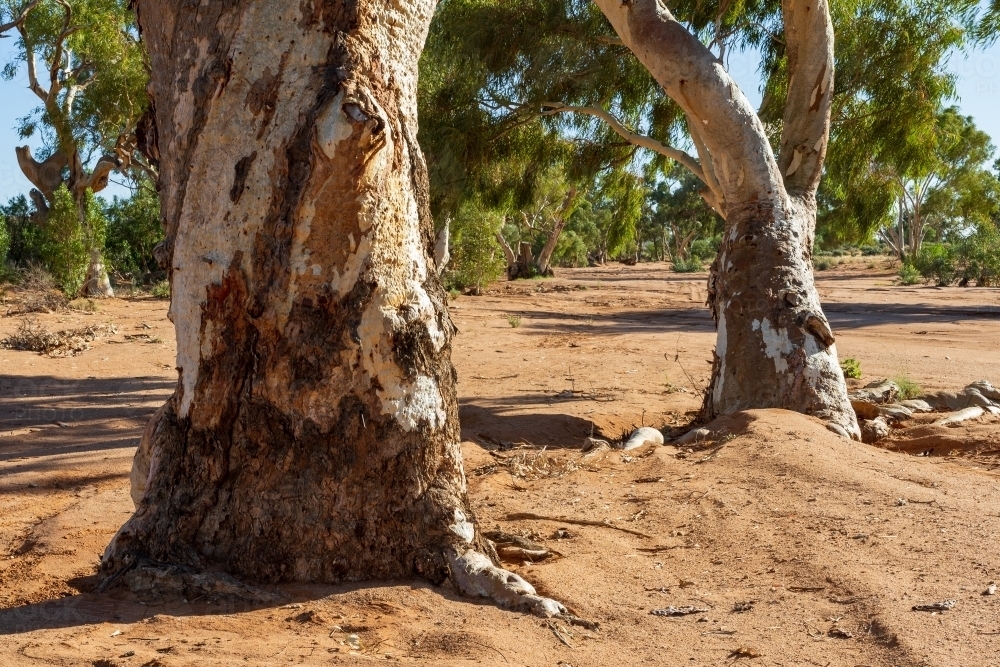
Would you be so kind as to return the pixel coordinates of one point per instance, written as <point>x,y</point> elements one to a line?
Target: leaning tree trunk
<point>774,347</point>
<point>313,435</point>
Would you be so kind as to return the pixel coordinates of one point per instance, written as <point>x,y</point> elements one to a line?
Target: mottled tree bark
<point>774,347</point>
<point>313,435</point>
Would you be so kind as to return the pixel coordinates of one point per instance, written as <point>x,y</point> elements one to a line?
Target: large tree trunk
<point>774,346</point>
<point>313,435</point>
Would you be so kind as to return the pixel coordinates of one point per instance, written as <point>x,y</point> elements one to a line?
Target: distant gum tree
<point>83,61</point>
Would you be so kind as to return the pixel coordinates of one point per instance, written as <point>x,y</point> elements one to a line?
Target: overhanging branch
<point>19,20</point>
<point>551,108</point>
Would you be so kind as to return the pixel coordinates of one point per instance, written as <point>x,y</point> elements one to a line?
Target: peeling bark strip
<point>313,435</point>
<point>775,348</point>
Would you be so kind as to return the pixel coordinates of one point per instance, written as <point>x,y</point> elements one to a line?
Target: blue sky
<point>978,96</point>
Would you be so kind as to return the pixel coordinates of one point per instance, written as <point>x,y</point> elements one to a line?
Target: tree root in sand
<point>472,573</point>
<point>150,578</point>
<point>476,576</point>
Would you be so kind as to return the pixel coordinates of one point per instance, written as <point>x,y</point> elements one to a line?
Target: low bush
<point>975,258</point>
<point>161,290</point>
<point>909,275</point>
<point>851,368</point>
<point>908,389</point>
<point>689,265</point>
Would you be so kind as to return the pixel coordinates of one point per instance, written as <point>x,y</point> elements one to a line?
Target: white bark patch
<point>777,345</point>
<point>212,229</point>
<point>462,527</point>
<point>333,126</point>
<point>796,162</point>
<point>721,345</point>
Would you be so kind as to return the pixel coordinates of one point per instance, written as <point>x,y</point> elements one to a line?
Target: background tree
<point>946,184</point>
<point>91,86</point>
<point>487,71</point>
<point>775,347</point>
<point>313,434</point>
<point>680,216</point>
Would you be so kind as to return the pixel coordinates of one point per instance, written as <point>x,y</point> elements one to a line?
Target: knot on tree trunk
<point>819,328</point>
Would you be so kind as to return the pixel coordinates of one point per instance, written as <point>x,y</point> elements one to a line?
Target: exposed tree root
<point>476,576</point>
<point>149,578</point>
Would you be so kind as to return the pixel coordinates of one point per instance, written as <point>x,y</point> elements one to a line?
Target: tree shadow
<point>492,421</point>
<point>861,315</point>
<point>124,607</point>
<point>54,432</point>
<point>660,320</point>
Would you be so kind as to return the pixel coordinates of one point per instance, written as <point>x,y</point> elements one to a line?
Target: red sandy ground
<point>780,512</point>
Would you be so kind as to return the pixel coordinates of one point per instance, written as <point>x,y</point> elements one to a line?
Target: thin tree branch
<point>21,17</point>
<point>551,108</point>
<point>29,57</point>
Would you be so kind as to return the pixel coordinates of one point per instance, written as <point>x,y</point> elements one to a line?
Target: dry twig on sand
<point>529,516</point>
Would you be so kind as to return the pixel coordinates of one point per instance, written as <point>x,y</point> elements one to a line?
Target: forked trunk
<point>313,435</point>
<point>774,345</point>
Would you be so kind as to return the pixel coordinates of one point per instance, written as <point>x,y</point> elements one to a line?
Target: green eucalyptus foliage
<point>24,234</point>
<point>476,256</point>
<point>102,53</point>
<point>491,67</point>
<point>973,259</point>
<point>487,71</point>
<point>891,83</point>
<point>133,231</point>
<point>4,243</point>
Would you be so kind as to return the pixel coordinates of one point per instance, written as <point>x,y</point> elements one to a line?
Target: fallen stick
<point>528,516</point>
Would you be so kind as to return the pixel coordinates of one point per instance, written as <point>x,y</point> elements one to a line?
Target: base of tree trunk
<point>97,283</point>
<point>775,346</point>
<point>198,526</point>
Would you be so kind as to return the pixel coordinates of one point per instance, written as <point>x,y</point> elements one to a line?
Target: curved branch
<point>713,194</point>
<point>551,108</point>
<point>19,20</point>
<point>806,126</point>
<point>697,81</point>
<point>46,176</point>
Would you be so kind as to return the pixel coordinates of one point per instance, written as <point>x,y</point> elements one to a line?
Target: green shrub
<point>4,244</point>
<point>161,290</point>
<point>25,236</point>
<point>979,257</point>
<point>908,389</point>
<point>705,249</point>
<point>64,248</point>
<point>133,231</point>
<point>689,265</point>
<point>871,251</point>
<point>936,261</point>
<point>909,275</point>
<point>822,264</point>
<point>476,258</point>
<point>571,250</point>
<point>851,368</point>
<point>514,321</point>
